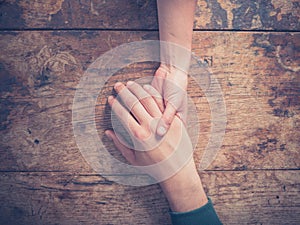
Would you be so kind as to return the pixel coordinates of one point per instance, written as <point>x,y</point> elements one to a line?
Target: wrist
<point>175,72</point>
<point>175,56</point>
<point>184,190</point>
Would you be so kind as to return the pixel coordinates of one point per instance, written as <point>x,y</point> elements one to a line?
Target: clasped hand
<point>139,109</point>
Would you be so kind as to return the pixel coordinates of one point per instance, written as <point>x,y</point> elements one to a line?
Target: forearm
<point>176,19</point>
<point>184,190</point>
<point>187,199</point>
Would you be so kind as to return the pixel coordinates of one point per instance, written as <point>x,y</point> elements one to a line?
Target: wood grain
<point>258,74</point>
<point>142,14</point>
<point>47,45</point>
<point>240,197</point>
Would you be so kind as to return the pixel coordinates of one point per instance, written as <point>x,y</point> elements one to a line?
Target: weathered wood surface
<point>142,14</point>
<point>44,178</point>
<point>240,197</point>
<point>258,73</point>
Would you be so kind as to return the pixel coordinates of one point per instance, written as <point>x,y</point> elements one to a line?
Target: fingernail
<point>110,99</point>
<point>117,85</point>
<point>108,135</point>
<point>129,83</point>
<point>161,131</point>
<point>146,87</point>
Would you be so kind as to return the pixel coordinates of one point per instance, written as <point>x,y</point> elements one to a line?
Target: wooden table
<point>252,48</point>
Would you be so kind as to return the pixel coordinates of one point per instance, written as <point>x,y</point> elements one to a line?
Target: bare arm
<point>176,19</point>
<point>183,188</point>
<point>177,175</point>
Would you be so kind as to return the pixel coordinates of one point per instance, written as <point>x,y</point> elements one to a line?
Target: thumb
<point>126,152</point>
<point>182,116</point>
<point>183,111</point>
<point>166,120</point>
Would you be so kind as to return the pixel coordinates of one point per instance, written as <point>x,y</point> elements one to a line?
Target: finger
<point>183,110</point>
<point>166,120</point>
<point>182,116</point>
<point>126,152</point>
<point>132,103</point>
<point>145,98</point>
<point>174,93</point>
<point>158,79</point>
<point>161,72</point>
<point>123,115</point>
<point>156,96</point>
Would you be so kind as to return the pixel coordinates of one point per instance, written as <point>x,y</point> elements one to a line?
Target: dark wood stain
<point>11,15</point>
<point>142,14</point>
<point>218,19</point>
<point>44,178</point>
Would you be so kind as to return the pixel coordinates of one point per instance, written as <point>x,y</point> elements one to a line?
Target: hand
<point>183,188</point>
<point>147,149</point>
<point>171,83</point>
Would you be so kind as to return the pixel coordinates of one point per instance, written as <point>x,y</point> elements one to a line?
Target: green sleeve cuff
<point>205,215</point>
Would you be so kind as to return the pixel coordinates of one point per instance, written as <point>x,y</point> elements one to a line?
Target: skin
<point>183,190</point>
<point>176,18</point>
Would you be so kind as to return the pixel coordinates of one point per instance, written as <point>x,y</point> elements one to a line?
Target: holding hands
<point>171,83</point>
<point>155,116</point>
<point>168,159</point>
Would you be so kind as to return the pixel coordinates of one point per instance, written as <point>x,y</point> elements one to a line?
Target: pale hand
<point>171,83</point>
<point>184,189</point>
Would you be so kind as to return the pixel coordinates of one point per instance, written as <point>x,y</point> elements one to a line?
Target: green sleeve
<point>205,215</point>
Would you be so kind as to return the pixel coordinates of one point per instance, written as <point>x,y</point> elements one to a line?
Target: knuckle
<point>141,134</point>
<point>146,100</point>
<point>130,103</point>
<point>168,118</point>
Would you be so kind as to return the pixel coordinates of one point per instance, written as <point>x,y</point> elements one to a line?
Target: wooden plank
<point>240,197</point>
<point>258,74</point>
<point>142,14</point>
